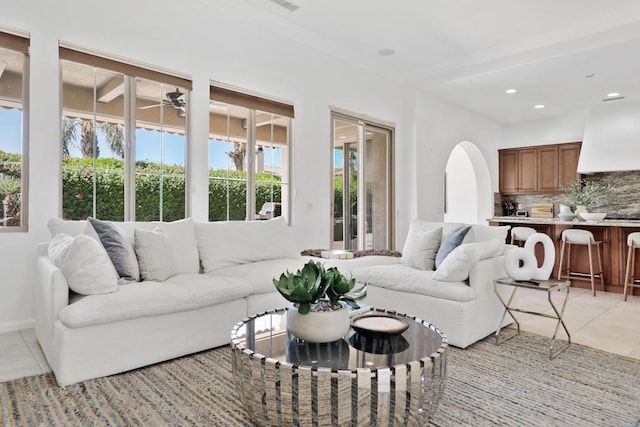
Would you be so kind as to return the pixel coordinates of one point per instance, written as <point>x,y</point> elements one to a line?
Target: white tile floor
<point>605,322</point>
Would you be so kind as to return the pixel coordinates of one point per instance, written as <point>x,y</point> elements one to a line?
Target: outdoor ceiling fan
<point>174,99</point>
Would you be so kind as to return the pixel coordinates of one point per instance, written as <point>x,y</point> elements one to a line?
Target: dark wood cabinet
<point>541,169</point>
<point>508,166</point>
<point>568,155</point>
<point>548,179</point>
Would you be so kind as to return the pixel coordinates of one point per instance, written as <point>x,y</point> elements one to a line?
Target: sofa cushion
<point>154,254</point>
<point>182,239</point>
<point>180,293</point>
<point>403,278</point>
<point>420,248</point>
<point>73,228</point>
<point>482,233</point>
<point>259,275</point>
<point>118,246</point>
<point>227,243</point>
<point>347,266</point>
<point>457,265</point>
<point>449,243</point>
<point>85,264</point>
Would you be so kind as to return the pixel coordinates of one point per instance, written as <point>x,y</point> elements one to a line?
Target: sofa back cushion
<point>181,235</point>
<point>227,243</point>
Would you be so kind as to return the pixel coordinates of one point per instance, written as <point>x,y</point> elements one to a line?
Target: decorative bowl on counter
<point>593,216</point>
<point>567,216</point>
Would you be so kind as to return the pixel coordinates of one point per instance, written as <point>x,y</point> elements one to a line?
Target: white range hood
<point>611,139</point>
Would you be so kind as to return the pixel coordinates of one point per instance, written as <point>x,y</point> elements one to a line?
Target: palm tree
<point>114,134</point>
<point>237,155</point>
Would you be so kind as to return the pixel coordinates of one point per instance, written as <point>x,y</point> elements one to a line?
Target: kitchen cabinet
<point>568,155</point>
<point>541,169</point>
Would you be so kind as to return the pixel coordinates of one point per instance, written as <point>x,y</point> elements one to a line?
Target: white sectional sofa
<point>221,273</point>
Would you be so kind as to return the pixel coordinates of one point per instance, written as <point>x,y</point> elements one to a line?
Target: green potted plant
<point>320,300</point>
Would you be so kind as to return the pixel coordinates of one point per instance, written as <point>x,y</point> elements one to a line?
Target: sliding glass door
<point>361,192</point>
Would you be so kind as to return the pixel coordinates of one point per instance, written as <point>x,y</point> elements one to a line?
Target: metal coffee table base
<point>548,286</point>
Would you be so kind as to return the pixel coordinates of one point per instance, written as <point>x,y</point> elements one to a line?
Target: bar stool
<point>580,237</point>
<point>521,234</point>
<point>633,241</point>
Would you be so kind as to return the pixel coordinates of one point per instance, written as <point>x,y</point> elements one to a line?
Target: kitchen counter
<point>530,220</point>
<point>612,233</point>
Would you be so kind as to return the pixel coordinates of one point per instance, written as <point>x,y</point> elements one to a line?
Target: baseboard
<point>16,326</point>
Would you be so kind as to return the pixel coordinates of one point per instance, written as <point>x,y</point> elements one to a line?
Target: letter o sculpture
<point>512,260</point>
<point>544,272</point>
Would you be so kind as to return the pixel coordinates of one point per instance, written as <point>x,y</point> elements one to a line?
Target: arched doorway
<point>468,195</point>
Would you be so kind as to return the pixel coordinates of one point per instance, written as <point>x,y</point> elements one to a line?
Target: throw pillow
<point>420,249</point>
<point>85,264</point>
<point>458,264</point>
<point>72,228</point>
<point>451,242</point>
<point>155,257</point>
<point>182,239</point>
<point>117,245</point>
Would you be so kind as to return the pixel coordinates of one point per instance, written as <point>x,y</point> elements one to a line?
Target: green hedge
<point>77,182</point>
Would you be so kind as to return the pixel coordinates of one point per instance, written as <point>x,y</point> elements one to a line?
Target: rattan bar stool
<point>521,234</point>
<point>633,241</point>
<point>580,237</point>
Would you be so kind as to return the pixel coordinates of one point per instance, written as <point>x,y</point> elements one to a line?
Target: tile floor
<point>605,322</point>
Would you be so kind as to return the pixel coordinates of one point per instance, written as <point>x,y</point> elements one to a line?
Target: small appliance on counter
<point>521,211</point>
<point>507,208</point>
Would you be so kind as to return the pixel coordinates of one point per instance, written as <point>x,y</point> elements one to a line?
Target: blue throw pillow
<point>451,242</point>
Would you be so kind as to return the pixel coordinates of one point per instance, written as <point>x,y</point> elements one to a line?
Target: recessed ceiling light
<point>343,137</point>
<point>613,94</point>
<point>510,91</point>
<point>592,75</point>
<point>538,106</point>
<point>386,52</point>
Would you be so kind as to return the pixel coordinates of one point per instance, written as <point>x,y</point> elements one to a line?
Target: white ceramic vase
<point>580,209</point>
<point>322,326</point>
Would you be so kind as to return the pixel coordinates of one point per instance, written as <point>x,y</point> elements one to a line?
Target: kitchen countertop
<point>603,223</point>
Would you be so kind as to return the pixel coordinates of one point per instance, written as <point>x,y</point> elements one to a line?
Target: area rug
<point>514,384</point>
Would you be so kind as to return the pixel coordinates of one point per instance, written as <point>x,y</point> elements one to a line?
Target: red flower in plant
<point>79,196</point>
<point>86,174</point>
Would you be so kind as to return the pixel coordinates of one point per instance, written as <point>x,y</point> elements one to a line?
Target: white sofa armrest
<point>51,295</point>
<point>485,271</point>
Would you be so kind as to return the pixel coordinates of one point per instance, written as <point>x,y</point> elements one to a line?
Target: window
<point>249,156</point>
<point>14,68</point>
<point>124,140</point>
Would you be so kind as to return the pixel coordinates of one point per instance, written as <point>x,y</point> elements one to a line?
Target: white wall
<point>568,128</point>
<point>440,127</point>
<point>206,42</point>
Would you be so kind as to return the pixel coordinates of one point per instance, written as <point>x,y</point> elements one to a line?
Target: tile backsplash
<point>622,201</point>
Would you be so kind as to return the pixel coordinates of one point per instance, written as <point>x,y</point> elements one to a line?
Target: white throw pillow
<point>420,249</point>
<point>72,228</point>
<point>154,253</point>
<point>457,265</point>
<point>228,243</point>
<point>85,263</point>
<point>182,239</point>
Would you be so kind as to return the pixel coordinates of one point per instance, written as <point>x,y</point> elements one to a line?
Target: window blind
<point>123,67</point>
<point>253,102</point>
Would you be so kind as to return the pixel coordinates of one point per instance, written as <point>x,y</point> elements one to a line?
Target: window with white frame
<point>14,69</point>
<point>249,156</point>
<point>124,140</point>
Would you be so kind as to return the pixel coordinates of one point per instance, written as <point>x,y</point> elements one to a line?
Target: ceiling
<point>471,51</point>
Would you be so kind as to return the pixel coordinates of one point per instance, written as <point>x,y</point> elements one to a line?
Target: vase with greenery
<point>320,298</point>
<point>582,192</point>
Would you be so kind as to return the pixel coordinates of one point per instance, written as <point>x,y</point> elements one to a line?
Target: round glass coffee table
<point>362,379</point>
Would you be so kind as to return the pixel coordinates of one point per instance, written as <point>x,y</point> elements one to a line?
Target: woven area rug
<point>514,384</point>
